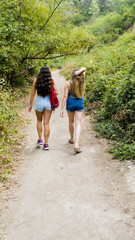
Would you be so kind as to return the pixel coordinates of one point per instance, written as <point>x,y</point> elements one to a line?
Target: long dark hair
<point>44,82</point>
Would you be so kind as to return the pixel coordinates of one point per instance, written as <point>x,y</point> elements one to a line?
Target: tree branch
<point>58,56</point>
<point>45,58</point>
<point>45,25</point>
<point>51,15</point>
<point>21,73</point>
<point>40,53</point>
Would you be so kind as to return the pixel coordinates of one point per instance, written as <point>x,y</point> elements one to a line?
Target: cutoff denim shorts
<point>75,104</point>
<point>43,103</point>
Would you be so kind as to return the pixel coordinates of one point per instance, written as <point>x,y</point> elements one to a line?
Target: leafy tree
<point>94,9</point>
<point>34,30</point>
<point>105,6</point>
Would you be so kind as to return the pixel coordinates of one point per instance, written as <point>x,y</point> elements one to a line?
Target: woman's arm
<point>77,72</point>
<point>66,89</point>
<point>55,88</point>
<point>32,95</point>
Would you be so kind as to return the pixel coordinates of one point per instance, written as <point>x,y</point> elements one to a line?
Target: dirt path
<point>63,196</point>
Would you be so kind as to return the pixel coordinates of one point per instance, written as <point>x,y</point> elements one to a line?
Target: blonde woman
<point>73,98</point>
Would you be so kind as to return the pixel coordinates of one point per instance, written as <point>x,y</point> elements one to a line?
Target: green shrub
<point>78,19</point>
<point>108,28</point>
<point>123,151</point>
<point>9,122</point>
<point>110,129</point>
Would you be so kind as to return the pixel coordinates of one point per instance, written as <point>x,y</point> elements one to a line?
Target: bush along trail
<point>61,195</point>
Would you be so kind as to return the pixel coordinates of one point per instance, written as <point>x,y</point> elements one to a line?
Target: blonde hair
<point>78,84</point>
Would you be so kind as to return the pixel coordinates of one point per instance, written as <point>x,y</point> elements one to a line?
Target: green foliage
<point>105,6</point>
<point>9,121</point>
<point>70,66</point>
<point>119,100</point>
<point>110,129</point>
<point>89,10</point>
<point>5,173</point>
<point>117,116</point>
<point>78,19</point>
<point>108,27</point>
<point>123,151</point>
<point>94,9</point>
<point>7,116</point>
<point>29,31</point>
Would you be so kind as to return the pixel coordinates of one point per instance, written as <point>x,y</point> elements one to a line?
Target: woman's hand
<point>30,108</point>
<point>81,70</point>
<point>66,89</point>
<point>62,113</point>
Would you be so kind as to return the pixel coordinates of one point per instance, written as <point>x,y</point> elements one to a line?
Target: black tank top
<point>70,94</point>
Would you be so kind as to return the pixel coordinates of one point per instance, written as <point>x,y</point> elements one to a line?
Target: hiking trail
<point>59,195</point>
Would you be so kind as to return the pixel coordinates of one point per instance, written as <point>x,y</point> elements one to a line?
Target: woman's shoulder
<point>67,84</point>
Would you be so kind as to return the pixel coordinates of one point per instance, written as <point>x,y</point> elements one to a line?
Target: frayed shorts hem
<point>81,110</point>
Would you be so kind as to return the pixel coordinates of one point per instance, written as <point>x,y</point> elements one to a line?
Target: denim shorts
<point>75,104</point>
<point>43,103</point>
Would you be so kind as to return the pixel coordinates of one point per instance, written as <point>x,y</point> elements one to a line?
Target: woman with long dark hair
<point>42,85</point>
<point>73,97</point>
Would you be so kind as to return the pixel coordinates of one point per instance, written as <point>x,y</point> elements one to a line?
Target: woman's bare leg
<point>47,115</point>
<point>78,119</point>
<point>71,125</point>
<point>39,123</point>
